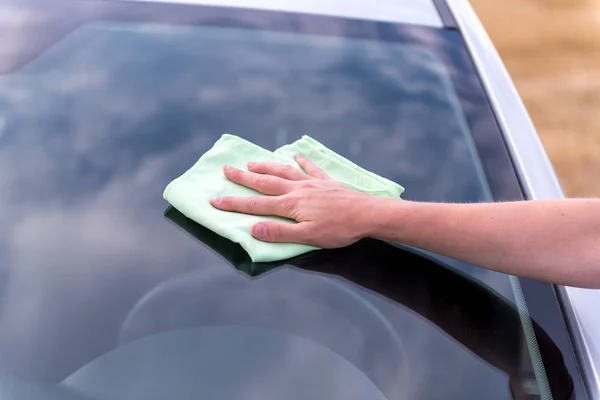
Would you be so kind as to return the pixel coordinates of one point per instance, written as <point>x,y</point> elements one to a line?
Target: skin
<point>553,240</point>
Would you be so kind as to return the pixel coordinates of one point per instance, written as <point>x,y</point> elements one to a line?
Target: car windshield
<point>108,294</point>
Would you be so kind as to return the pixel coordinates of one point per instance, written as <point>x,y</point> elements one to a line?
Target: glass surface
<point>104,297</point>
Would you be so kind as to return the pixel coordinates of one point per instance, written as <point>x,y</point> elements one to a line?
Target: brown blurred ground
<point>552,51</point>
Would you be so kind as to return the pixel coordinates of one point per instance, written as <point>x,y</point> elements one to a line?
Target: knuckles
<point>307,185</point>
<point>263,181</point>
<point>288,204</point>
<point>252,202</point>
<point>275,231</point>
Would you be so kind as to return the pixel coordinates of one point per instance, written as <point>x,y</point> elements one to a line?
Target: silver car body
<point>538,179</point>
<point>533,167</point>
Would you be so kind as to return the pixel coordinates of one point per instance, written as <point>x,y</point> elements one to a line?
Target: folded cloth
<point>192,191</point>
<point>231,252</point>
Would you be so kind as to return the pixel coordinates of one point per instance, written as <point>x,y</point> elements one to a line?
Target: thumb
<point>279,232</point>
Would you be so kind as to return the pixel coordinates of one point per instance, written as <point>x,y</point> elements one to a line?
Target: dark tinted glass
<point>104,297</point>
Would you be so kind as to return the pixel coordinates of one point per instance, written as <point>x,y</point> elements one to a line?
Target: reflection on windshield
<point>481,320</point>
<point>269,88</point>
<point>93,129</point>
<point>232,362</point>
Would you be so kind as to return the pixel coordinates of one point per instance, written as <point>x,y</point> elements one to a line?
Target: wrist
<point>381,218</point>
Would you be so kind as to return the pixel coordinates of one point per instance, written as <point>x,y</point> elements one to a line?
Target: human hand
<point>328,213</point>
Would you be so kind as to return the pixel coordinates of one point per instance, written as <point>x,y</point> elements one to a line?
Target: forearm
<point>557,241</point>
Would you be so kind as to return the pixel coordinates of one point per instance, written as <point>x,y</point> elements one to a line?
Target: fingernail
<point>300,156</point>
<point>227,168</point>
<point>216,200</point>
<point>259,231</point>
<point>251,164</point>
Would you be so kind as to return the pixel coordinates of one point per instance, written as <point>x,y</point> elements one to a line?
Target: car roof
<point>419,12</point>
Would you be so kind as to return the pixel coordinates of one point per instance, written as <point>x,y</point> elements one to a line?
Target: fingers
<point>257,205</point>
<point>310,168</point>
<point>280,232</point>
<point>271,185</point>
<point>281,170</point>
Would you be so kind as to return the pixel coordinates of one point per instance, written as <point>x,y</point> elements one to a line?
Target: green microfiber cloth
<point>192,191</point>
<point>231,252</point>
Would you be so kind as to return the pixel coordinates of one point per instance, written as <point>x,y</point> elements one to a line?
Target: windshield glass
<point>105,297</point>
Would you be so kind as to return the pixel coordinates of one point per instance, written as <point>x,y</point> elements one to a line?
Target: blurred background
<point>552,51</point>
